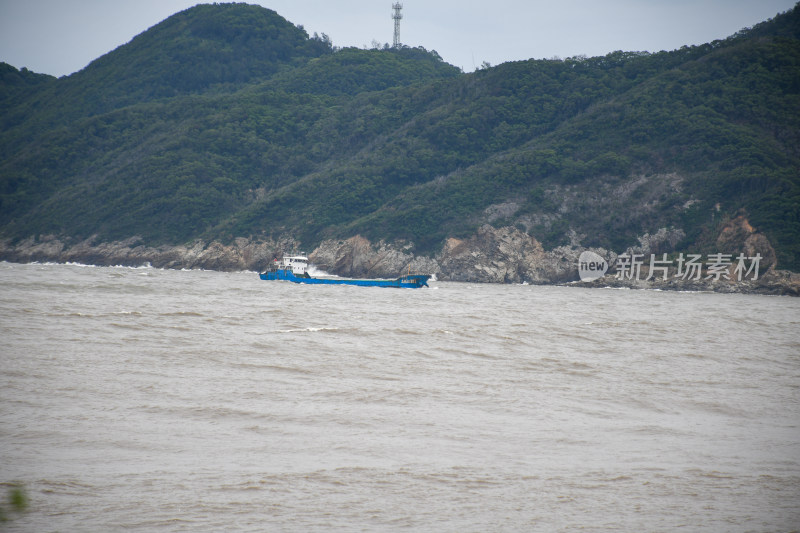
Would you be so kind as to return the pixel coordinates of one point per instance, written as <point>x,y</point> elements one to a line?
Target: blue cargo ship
<point>294,268</point>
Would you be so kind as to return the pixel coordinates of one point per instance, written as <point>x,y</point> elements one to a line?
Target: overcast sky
<point>62,36</point>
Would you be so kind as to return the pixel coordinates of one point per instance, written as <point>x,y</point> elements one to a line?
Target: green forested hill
<point>226,121</point>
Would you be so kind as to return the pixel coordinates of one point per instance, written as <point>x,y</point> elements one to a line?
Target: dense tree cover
<point>216,47</point>
<point>18,85</point>
<point>226,121</point>
<point>351,71</point>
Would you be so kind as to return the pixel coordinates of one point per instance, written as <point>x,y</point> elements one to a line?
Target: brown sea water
<point>156,400</point>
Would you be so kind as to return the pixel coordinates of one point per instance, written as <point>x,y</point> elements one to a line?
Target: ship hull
<point>413,281</point>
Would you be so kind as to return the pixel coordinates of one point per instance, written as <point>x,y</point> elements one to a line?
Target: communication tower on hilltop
<point>397,6</point>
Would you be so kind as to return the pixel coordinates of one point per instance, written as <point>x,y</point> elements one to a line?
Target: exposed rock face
<point>664,240</point>
<point>505,255</point>
<point>492,255</point>
<point>241,255</point>
<point>357,257</point>
<point>738,236</point>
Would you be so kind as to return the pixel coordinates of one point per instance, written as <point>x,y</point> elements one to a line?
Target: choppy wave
<point>194,400</point>
<point>307,330</point>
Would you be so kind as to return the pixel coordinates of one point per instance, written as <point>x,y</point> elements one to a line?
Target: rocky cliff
<point>492,255</point>
<point>242,254</point>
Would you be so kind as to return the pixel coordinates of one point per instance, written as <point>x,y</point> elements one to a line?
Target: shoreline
<point>248,256</point>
